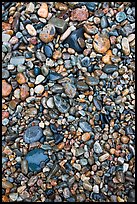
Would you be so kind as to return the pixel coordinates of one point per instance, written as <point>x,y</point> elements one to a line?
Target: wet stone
<point>85,126</point>
<point>48,51</point>
<point>109,69</point>
<point>70,90</point>
<point>60,24</point>
<point>32,134</point>
<point>120,16</point>
<point>53,76</point>
<point>101,43</point>
<point>85,62</point>
<point>104,22</point>
<point>82,86</point>
<point>48,33</point>
<point>92,81</point>
<point>61,104</point>
<point>33,163</point>
<point>97,147</point>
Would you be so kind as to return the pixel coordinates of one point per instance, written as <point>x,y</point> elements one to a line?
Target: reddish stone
<point>24,92</point>
<point>6,88</point>
<point>79,14</point>
<point>6,26</point>
<point>5,114</point>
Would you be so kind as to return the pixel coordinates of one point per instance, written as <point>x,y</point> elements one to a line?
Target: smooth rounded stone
<point>31,30</point>
<point>109,69</point>
<point>20,78</point>
<point>131,195</point>
<point>86,136</point>
<point>77,166</point>
<point>60,24</point>
<point>5,37</point>
<point>70,118</point>
<point>13,196</point>
<point>101,43</point>
<point>125,46</point>
<point>97,103</point>
<point>61,104</point>
<point>120,16</point>
<point>48,51</point>
<point>120,176</point>
<point>72,40</point>
<point>104,157</point>
<point>24,91</point>
<point>50,102</point>
<point>17,60</point>
<point>7,184</point>
<point>39,79</point>
<point>96,189</point>
<point>35,157</point>
<point>87,186</point>
<point>85,62</point>
<point>39,89</point>
<point>70,90</point>
<point>53,76</point>
<point>5,74</point>
<point>24,167</point>
<point>48,33</point>
<point>97,147</point>
<point>83,162</point>
<point>90,28</point>
<point>125,139</point>
<point>79,14</point>
<point>21,68</point>
<point>44,70</point>
<point>57,88</point>
<point>43,10</point>
<point>32,134</point>
<point>30,8</point>
<point>80,197</point>
<point>104,22</point>
<point>82,86</point>
<point>37,71</point>
<point>85,126</point>
<point>92,81</point>
<point>90,6</point>
<point>41,56</point>
<point>6,88</point>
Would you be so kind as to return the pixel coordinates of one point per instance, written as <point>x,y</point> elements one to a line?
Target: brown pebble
<point>6,26</point>
<point>86,136</point>
<point>57,54</point>
<point>6,88</point>
<point>48,33</point>
<point>101,43</point>
<point>107,58</point>
<point>60,145</point>
<point>43,10</point>
<point>7,184</point>
<point>24,91</point>
<point>61,6</point>
<point>20,78</point>
<point>4,130</point>
<point>124,139</point>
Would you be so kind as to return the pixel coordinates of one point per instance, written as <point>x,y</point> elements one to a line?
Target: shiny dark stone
<point>91,6</point>
<point>68,167</point>
<point>53,76</point>
<point>85,62</point>
<point>72,40</point>
<point>53,128</point>
<point>97,103</point>
<point>91,68</point>
<point>36,71</point>
<point>27,21</point>
<point>28,55</point>
<point>49,192</point>
<point>48,51</point>
<point>58,138</point>
<point>104,22</point>
<point>39,45</point>
<point>109,69</point>
<point>82,86</point>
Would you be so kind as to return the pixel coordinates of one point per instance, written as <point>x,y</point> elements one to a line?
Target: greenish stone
<point>59,24</point>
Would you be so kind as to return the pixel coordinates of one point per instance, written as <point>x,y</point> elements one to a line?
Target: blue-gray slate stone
<point>32,134</point>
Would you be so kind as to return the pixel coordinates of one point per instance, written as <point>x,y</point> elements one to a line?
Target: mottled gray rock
<point>32,134</point>
<point>61,104</point>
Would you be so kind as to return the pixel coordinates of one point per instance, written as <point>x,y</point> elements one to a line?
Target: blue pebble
<point>48,51</point>
<point>36,71</point>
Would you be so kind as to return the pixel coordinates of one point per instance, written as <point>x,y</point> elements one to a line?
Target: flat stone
<point>104,22</point>
<point>7,184</point>
<point>53,76</point>
<point>24,91</point>
<point>77,166</point>
<point>83,162</point>
<point>60,24</point>
<point>17,60</point>
<point>5,74</point>
<point>79,14</point>
<point>109,69</point>
<point>72,40</point>
<point>41,56</point>
<point>120,16</point>
<point>31,30</point>
<point>32,180</point>
<point>6,88</point>
<point>39,79</point>
<point>32,134</point>
<point>48,33</point>
<point>13,196</point>
<point>97,147</point>
<point>61,104</point>
<point>50,102</point>
<point>35,157</point>
<point>97,103</point>
<point>70,90</point>
<point>58,138</point>
<point>30,8</point>
<point>101,43</point>
<point>43,10</point>
<point>87,186</point>
<point>39,89</point>
<point>125,46</point>
<point>48,51</point>
<point>92,81</point>
<point>85,126</point>
<point>20,78</point>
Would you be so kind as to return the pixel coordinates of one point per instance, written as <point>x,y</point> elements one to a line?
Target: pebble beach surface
<point>68,102</point>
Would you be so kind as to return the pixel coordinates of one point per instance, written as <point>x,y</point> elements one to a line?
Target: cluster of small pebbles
<point>68,102</point>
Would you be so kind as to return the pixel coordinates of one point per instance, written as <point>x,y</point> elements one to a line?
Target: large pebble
<point>90,28</point>
<point>101,43</point>
<point>61,104</point>
<point>85,126</point>
<point>31,30</point>
<point>39,89</point>
<point>43,10</point>
<point>39,79</point>
<point>109,69</point>
<point>104,157</point>
<point>21,78</point>
<point>6,88</point>
<point>30,8</point>
<point>60,24</point>
<point>125,46</point>
<point>82,86</point>
<point>7,184</point>
<point>79,14</point>
<point>92,81</point>
<point>17,60</point>
<point>120,16</point>
<point>70,90</point>
<point>48,51</point>
<point>35,157</point>
<point>48,33</point>
<point>97,147</point>
<point>50,102</point>
<point>32,134</point>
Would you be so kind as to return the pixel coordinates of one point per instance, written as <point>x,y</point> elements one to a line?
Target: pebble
<point>5,37</point>
<point>104,22</point>
<point>32,180</point>
<point>31,30</point>
<point>24,166</point>
<point>79,14</point>
<point>20,78</point>
<point>104,157</point>
<point>24,91</point>
<point>61,104</point>
<point>92,81</point>
<point>50,102</point>
<point>66,193</point>
<point>109,69</point>
<point>60,24</point>
<point>107,58</point>
<point>13,196</point>
<point>47,34</point>
<point>5,74</point>
<point>70,90</point>
<point>120,16</point>
<point>53,76</point>
<point>43,10</point>
<point>30,8</point>
<point>48,51</point>
<point>125,46</point>
<point>6,88</point>
<point>44,70</point>
<point>87,186</point>
<point>33,163</point>
<point>82,86</point>
<point>97,147</point>
<point>97,104</point>
<point>7,184</point>
<point>85,62</point>
<point>86,136</point>
<point>96,189</point>
<point>17,60</point>
<point>90,28</point>
<point>85,126</point>
<point>39,89</point>
<point>77,166</point>
<point>39,79</point>
<point>124,139</point>
<point>101,43</point>
<point>32,134</point>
